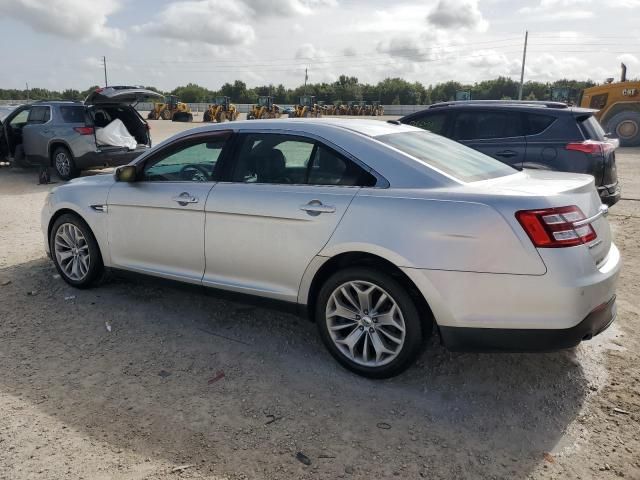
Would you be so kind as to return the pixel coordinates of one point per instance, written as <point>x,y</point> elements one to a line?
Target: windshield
<point>452,158</point>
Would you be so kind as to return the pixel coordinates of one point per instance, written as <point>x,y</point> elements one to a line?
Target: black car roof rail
<point>523,103</point>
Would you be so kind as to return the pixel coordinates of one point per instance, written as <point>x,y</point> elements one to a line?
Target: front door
<point>282,202</point>
<point>156,224</point>
<point>496,133</point>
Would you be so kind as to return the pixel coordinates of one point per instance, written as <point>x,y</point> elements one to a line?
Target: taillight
<point>555,227</point>
<point>590,146</point>
<point>84,130</point>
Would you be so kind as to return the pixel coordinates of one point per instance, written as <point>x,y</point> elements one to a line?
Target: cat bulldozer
<point>377,109</point>
<point>327,109</point>
<point>220,110</point>
<point>307,107</point>
<point>618,105</point>
<point>265,108</point>
<point>356,108</point>
<point>171,109</point>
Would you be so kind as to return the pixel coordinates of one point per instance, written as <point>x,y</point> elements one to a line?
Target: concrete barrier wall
<point>244,107</point>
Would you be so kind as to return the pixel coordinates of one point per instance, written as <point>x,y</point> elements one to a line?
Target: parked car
<point>62,134</point>
<point>540,135</point>
<point>378,231</point>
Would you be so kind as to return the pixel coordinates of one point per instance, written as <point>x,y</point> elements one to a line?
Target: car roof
<point>558,108</point>
<point>369,128</point>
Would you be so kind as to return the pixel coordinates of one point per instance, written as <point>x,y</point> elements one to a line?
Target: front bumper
<point>530,340</point>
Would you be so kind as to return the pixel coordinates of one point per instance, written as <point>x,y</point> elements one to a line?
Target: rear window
<point>480,125</point>
<point>591,128</point>
<point>72,114</point>
<point>450,157</point>
<point>537,123</point>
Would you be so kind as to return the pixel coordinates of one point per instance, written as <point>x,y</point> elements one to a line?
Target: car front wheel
<point>75,252</point>
<point>369,322</point>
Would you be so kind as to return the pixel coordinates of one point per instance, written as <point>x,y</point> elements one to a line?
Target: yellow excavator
<point>265,108</point>
<point>171,109</point>
<point>307,107</point>
<point>220,110</point>
<point>618,105</point>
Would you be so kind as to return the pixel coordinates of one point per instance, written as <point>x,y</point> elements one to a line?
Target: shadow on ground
<point>149,386</point>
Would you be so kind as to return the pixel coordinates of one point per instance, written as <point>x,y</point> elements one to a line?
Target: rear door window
<point>39,115</point>
<point>483,125</point>
<point>330,168</point>
<point>537,123</point>
<point>432,121</point>
<point>72,114</point>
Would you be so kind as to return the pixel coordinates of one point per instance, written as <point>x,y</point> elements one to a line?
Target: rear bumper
<point>530,340</point>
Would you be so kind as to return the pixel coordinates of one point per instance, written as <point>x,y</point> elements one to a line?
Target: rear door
<point>497,133</point>
<point>546,139</point>
<point>37,133</point>
<point>284,197</point>
<point>121,94</point>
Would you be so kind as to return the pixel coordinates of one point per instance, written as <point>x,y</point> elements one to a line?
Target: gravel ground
<point>148,399</point>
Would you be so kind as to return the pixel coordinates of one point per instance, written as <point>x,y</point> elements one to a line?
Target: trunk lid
<point>121,94</point>
<point>558,189</point>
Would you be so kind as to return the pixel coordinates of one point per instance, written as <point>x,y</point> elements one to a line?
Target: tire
<point>90,271</point>
<point>166,114</point>
<point>64,164</point>
<point>402,353</point>
<point>626,127</point>
<point>207,116</point>
<point>152,115</point>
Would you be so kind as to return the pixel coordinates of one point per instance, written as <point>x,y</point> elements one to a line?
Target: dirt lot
<point>79,401</point>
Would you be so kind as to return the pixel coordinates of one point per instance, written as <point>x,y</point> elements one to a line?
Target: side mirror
<point>126,173</point>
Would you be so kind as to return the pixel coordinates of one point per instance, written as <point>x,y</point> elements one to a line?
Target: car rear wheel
<point>369,322</point>
<point>64,164</point>
<point>75,252</point>
<point>626,127</point>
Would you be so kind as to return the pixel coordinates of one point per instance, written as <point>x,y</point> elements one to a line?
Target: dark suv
<point>65,134</point>
<point>542,135</point>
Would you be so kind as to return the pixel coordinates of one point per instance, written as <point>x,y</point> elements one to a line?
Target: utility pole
<point>524,58</point>
<point>104,63</point>
<point>306,77</point>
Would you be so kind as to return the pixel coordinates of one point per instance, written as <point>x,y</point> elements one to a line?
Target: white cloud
<point>223,22</point>
<point>73,19</point>
<point>455,14</point>
<point>550,10</point>
<point>628,59</point>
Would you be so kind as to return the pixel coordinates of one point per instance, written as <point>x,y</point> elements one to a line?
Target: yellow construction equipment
<point>327,109</point>
<point>378,110</point>
<point>265,108</point>
<point>171,109</point>
<point>220,110</point>
<point>307,107</point>
<point>618,106</point>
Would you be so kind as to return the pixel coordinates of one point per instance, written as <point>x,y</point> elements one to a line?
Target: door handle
<point>507,153</point>
<point>185,198</point>
<point>316,207</point>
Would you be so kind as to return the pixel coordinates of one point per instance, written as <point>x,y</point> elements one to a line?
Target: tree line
<point>390,91</point>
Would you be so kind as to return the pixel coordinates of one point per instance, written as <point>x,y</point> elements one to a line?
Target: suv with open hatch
<point>63,134</point>
<point>525,134</point>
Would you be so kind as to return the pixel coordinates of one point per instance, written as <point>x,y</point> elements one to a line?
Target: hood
<point>121,94</point>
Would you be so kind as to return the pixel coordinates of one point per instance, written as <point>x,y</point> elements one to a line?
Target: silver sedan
<point>381,232</point>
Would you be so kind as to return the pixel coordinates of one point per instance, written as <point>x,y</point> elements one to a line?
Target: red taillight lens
<point>84,130</point>
<point>590,147</point>
<point>554,227</point>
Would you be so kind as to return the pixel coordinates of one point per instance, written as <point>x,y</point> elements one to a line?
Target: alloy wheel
<point>63,164</point>
<point>72,251</point>
<point>365,323</point>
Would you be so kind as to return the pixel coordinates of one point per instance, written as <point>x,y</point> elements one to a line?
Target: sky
<point>59,44</point>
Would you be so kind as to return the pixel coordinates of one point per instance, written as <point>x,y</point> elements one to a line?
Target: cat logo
<point>630,92</point>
